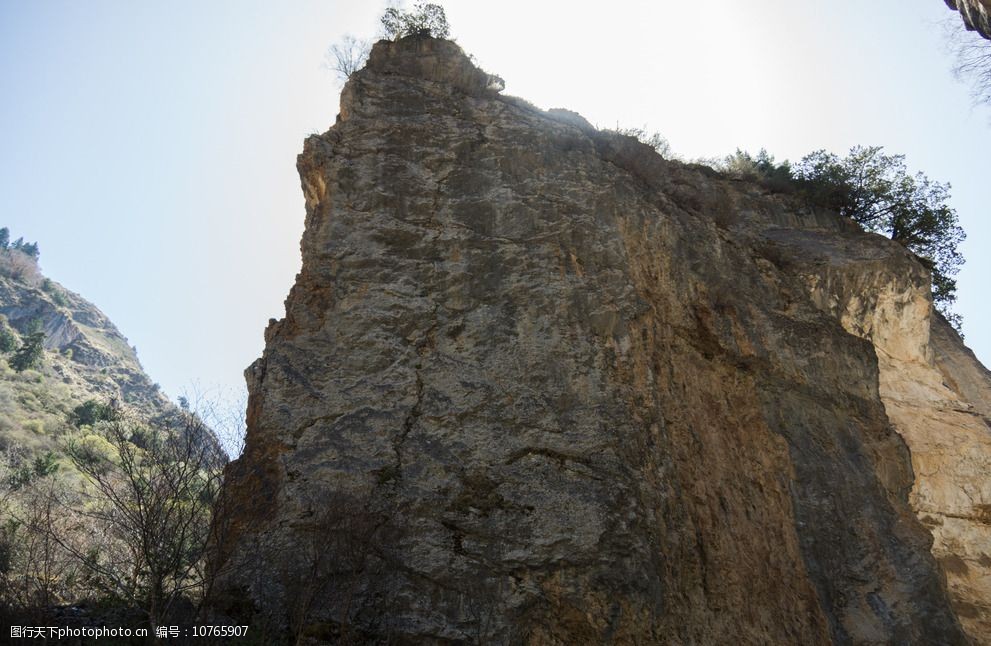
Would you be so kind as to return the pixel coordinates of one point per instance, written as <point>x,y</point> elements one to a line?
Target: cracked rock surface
<point>536,384</point>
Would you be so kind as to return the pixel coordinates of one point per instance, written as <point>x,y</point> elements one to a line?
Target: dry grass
<point>21,267</point>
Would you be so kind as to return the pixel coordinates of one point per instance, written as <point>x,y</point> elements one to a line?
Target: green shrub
<point>425,19</point>
<point>26,473</point>
<point>762,169</point>
<point>59,298</point>
<point>90,412</point>
<point>8,339</point>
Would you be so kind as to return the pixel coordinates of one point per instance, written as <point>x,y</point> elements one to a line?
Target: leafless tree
<point>972,54</point>
<point>147,508</point>
<point>974,65</point>
<point>348,56</point>
<point>35,572</point>
<point>223,411</point>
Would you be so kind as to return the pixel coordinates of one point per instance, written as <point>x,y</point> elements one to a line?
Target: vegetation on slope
<point>106,488</point>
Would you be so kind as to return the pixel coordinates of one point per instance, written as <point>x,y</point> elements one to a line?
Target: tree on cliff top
<point>877,191</point>
<point>30,249</point>
<point>425,19</point>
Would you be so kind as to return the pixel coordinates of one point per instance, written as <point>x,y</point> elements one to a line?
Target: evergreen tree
<point>30,353</point>
<point>31,250</point>
<point>877,191</point>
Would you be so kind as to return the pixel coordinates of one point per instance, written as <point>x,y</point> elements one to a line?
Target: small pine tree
<point>4,238</point>
<point>31,250</point>
<point>30,353</point>
<point>90,412</point>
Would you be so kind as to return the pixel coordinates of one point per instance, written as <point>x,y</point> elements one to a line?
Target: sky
<point>149,148</point>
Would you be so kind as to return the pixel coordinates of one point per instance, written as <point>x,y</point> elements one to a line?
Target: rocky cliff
<point>535,384</point>
<point>976,14</point>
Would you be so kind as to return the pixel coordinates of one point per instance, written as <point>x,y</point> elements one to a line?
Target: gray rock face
<point>536,384</point>
<point>976,14</point>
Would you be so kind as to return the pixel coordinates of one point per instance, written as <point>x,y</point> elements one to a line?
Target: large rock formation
<point>536,384</point>
<point>976,14</point>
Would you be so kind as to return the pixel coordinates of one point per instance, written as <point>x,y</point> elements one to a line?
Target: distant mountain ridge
<point>85,357</point>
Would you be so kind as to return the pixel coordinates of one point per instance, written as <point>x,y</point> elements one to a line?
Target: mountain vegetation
<point>877,191</point>
<point>106,487</point>
<point>424,19</point>
<point>348,55</point>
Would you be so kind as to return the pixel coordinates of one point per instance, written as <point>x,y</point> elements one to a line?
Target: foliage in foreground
<point>126,524</point>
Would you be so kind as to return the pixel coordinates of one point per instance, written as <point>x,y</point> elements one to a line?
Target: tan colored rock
<point>937,396</point>
<point>537,385</point>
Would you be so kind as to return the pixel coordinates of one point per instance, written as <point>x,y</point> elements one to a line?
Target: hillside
<point>106,487</point>
<point>85,357</point>
<point>537,384</point>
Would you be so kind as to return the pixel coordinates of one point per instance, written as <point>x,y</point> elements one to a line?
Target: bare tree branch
<point>972,65</point>
<point>348,56</point>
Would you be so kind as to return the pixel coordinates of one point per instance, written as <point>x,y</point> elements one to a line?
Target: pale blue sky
<point>150,147</point>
